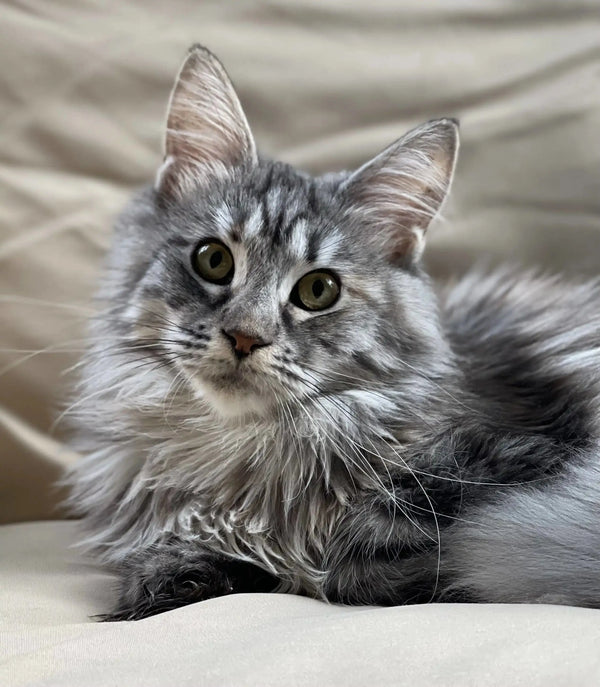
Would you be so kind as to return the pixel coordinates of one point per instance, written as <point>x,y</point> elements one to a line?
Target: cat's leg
<point>167,576</point>
<point>379,556</point>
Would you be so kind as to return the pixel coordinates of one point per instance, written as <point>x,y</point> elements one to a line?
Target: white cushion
<point>47,637</point>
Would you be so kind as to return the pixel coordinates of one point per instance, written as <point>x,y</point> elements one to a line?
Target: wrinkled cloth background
<point>326,84</point>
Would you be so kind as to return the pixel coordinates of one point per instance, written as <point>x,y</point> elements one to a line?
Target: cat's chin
<point>232,405</point>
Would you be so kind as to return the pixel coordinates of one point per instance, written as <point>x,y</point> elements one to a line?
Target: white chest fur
<point>253,492</point>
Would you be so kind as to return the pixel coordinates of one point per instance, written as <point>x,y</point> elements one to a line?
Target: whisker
<point>371,474</point>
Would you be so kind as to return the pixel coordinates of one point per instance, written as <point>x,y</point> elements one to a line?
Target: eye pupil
<point>216,259</point>
<point>317,288</point>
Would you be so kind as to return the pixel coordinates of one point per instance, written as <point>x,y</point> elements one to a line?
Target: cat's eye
<point>316,291</point>
<point>213,261</point>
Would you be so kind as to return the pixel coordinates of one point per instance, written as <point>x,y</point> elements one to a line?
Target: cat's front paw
<point>153,587</point>
<point>166,577</point>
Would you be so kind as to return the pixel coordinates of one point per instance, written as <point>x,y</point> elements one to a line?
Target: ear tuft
<point>207,131</point>
<point>402,189</point>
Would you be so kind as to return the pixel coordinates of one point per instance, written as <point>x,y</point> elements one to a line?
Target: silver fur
<point>397,446</point>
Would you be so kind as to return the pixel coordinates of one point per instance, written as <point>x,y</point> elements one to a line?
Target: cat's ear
<point>207,132</point>
<point>402,189</point>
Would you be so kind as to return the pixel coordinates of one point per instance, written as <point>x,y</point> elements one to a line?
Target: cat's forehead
<point>280,213</point>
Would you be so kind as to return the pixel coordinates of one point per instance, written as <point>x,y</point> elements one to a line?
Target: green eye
<point>316,291</point>
<point>213,262</point>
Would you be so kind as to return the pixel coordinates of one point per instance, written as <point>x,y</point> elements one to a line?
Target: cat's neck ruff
<point>249,487</point>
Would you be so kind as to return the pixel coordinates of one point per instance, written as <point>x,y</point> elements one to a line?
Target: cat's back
<point>540,314</point>
<point>528,343</point>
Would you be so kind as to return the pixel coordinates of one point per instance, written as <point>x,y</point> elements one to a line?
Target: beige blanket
<point>259,640</point>
<point>326,84</point>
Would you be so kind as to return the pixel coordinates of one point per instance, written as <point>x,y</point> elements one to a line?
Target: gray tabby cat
<point>276,399</point>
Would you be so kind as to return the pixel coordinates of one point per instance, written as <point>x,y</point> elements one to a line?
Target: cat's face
<point>258,286</point>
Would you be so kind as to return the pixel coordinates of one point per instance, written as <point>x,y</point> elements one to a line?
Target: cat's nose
<point>243,344</point>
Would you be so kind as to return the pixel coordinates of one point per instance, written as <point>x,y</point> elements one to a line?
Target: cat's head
<point>259,286</point>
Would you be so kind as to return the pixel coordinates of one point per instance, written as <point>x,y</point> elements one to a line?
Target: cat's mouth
<point>232,390</point>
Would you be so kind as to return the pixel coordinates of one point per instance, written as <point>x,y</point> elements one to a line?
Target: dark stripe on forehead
<point>312,197</point>
<point>312,246</point>
<point>277,224</point>
<point>236,234</point>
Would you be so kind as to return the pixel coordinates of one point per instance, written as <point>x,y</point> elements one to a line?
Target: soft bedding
<point>47,637</point>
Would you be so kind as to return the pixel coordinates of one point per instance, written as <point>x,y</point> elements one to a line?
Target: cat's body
<point>392,446</point>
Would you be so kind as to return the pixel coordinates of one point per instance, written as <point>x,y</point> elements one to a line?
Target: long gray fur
<point>403,445</point>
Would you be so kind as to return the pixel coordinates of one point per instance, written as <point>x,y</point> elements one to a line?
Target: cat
<point>277,398</point>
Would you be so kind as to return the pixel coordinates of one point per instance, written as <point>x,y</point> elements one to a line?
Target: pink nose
<point>243,344</point>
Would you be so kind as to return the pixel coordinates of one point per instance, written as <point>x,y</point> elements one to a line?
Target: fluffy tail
<point>539,545</point>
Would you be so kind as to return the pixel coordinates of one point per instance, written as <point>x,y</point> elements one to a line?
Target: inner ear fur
<point>207,131</point>
<point>403,188</point>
